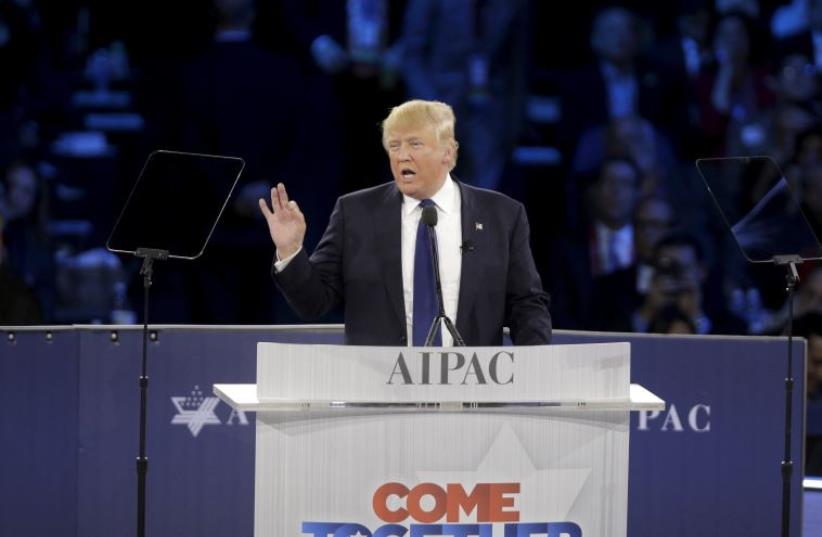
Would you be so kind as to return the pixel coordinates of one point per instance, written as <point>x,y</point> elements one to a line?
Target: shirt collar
<point>445,199</point>
<point>623,233</point>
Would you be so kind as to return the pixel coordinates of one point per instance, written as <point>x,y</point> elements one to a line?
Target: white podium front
<point>474,441</point>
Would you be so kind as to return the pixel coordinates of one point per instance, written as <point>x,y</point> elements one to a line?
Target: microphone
<point>429,218</point>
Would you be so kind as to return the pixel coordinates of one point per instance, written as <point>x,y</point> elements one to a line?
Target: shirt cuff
<point>280,264</point>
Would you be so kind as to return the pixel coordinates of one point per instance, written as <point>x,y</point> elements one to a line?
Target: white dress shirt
<point>614,248</point>
<point>622,90</point>
<point>449,240</point>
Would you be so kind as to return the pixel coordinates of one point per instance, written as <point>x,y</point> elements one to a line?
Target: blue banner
<point>707,465</point>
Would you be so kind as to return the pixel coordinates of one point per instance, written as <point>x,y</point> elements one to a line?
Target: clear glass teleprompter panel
<point>176,203</point>
<point>763,209</point>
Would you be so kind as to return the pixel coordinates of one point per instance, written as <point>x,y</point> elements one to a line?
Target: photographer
<point>679,281</point>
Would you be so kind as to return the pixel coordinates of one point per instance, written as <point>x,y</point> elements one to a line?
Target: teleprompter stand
<point>171,212</point>
<point>775,230</point>
<point>148,255</point>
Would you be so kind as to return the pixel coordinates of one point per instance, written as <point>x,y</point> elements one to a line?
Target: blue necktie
<point>425,293</point>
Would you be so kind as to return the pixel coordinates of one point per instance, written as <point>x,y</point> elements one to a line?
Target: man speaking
<point>375,257</point>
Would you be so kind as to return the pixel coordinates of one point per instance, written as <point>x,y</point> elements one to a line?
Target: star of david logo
<point>195,411</point>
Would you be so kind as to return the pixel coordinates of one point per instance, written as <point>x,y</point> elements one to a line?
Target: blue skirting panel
<point>709,465</point>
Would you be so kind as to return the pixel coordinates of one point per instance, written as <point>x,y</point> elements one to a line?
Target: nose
<point>404,155</point>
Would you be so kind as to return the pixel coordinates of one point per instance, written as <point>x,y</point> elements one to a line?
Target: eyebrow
<point>410,139</point>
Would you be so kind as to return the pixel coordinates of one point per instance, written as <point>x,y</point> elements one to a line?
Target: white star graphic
<point>545,493</point>
<point>195,419</point>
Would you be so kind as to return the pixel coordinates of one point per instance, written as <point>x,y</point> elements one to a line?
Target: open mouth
<point>407,173</point>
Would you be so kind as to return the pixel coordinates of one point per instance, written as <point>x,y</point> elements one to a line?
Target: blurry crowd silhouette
<point>592,114</point>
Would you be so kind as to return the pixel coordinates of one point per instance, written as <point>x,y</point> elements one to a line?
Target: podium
<point>471,441</point>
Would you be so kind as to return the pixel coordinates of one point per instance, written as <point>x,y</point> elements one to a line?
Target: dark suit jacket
<point>358,263</point>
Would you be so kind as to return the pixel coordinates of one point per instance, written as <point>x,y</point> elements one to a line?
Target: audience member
<point>805,41</point>
<point>352,54</point>
<point>620,82</point>
<point>679,279</point>
<point>688,51</point>
<point>601,244</point>
<point>619,294</point>
<point>809,326</point>
<point>664,84</point>
<point>735,90</point>
<point>471,55</point>
<point>774,131</point>
<point>24,208</point>
<point>18,305</point>
<point>242,100</point>
<point>672,320</point>
<point>630,136</point>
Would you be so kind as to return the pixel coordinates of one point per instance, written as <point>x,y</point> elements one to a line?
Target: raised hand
<point>286,223</point>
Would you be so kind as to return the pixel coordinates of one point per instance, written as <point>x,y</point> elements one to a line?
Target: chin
<point>406,188</point>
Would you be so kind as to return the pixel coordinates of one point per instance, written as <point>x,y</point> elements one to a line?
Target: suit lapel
<point>387,223</point>
<point>470,275</point>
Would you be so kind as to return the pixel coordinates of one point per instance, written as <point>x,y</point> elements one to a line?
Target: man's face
<point>614,36</point>
<point>615,193</point>
<point>797,78</point>
<point>732,40</point>
<point>419,162</point>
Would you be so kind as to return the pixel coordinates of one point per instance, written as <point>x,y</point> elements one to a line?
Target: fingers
<point>264,208</point>
<point>282,195</point>
<point>279,202</point>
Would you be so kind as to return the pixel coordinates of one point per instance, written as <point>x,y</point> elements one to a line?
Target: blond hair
<point>417,114</point>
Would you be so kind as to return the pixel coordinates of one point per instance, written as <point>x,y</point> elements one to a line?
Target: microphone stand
<point>441,316</point>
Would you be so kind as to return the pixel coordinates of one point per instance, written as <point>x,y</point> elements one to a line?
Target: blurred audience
<point>18,305</point>
<point>233,101</point>
<point>672,320</point>
<point>621,81</point>
<point>633,137</point>
<point>600,244</point>
<point>809,326</point>
<point>619,294</point>
<point>807,32</point>
<point>735,89</point>
<point>605,135</point>
<point>810,191</point>
<point>471,54</point>
<point>24,208</point>
<point>679,279</point>
<point>774,131</point>
<point>352,54</point>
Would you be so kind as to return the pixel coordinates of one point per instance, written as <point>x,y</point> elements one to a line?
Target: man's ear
<point>450,154</point>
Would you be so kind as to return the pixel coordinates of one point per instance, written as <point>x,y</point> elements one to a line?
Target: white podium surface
<point>479,441</point>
